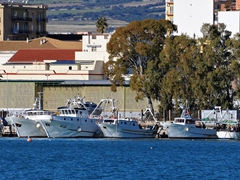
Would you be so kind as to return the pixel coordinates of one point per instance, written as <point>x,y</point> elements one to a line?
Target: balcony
<point>42,33</point>
<point>21,32</point>
<point>169,13</point>
<point>26,19</point>
<point>42,20</point>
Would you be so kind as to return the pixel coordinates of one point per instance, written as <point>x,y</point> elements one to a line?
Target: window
<point>171,10</point>
<point>70,68</point>
<point>15,14</point>
<point>94,49</point>
<point>94,37</point>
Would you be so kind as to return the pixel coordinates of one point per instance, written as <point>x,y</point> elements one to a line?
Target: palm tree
<point>101,24</point>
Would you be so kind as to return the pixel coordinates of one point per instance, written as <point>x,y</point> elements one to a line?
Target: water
<point>50,159</point>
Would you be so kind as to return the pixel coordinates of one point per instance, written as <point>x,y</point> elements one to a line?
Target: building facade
<point>85,63</point>
<point>21,21</point>
<point>190,15</point>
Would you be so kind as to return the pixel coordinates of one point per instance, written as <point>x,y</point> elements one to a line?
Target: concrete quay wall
<point>21,95</point>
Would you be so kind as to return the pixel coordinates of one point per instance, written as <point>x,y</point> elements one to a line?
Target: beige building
<point>20,21</point>
<point>51,60</point>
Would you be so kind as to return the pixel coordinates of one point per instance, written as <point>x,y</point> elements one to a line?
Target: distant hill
<point>81,15</point>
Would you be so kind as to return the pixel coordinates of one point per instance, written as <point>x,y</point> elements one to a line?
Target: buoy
<point>29,139</point>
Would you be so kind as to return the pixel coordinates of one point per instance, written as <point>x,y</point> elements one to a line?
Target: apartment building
<point>190,15</point>
<point>21,21</point>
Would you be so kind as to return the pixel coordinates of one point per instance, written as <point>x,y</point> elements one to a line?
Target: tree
<point>101,25</point>
<point>234,47</point>
<point>214,73</point>
<point>177,62</point>
<point>136,47</point>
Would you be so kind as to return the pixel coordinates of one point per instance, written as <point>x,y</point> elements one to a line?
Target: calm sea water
<point>50,159</point>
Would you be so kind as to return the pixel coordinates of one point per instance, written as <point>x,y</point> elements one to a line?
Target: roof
<point>38,55</point>
<point>66,37</point>
<point>64,62</point>
<point>39,43</point>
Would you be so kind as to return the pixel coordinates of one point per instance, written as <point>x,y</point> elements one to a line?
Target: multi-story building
<point>190,15</point>
<point>48,59</point>
<point>21,21</point>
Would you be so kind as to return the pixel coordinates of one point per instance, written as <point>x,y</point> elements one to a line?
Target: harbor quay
<point>20,95</point>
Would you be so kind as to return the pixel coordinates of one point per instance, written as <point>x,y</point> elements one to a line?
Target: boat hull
<point>125,131</point>
<point>74,128</point>
<point>27,127</point>
<point>228,135</point>
<point>190,132</point>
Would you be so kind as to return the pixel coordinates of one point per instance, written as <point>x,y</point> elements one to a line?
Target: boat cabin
<point>184,121</point>
<point>76,112</point>
<point>39,112</point>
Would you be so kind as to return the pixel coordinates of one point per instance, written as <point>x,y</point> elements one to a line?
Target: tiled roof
<point>50,43</point>
<point>38,55</point>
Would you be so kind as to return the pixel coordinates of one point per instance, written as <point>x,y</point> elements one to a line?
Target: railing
<point>21,19</point>
<point>21,31</point>
<point>42,20</point>
<point>42,32</point>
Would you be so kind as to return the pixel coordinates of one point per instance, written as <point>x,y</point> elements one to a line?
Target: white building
<point>85,63</point>
<point>94,47</point>
<point>231,19</point>
<point>190,15</point>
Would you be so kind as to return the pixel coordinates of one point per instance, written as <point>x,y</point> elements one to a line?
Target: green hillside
<point>81,15</point>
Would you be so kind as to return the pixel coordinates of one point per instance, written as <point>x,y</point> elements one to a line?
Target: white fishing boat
<point>28,123</point>
<point>125,128</point>
<point>115,127</point>
<point>228,129</point>
<point>72,121</point>
<point>226,122</point>
<point>187,127</point>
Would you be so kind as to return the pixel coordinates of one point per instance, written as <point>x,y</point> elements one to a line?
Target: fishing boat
<point>125,128</point>
<point>73,121</point>
<point>27,123</point>
<point>187,127</point>
<point>114,127</point>
<point>228,129</point>
<point>226,122</point>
